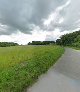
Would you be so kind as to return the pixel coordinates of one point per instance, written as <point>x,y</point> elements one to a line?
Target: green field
<point>20,66</point>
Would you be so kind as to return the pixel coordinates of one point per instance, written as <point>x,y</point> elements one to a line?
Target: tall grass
<point>20,66</point>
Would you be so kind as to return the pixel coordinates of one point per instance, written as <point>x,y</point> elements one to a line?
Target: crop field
<point>20,66</point>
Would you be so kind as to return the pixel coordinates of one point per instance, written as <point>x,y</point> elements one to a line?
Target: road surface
<point>64,76</point>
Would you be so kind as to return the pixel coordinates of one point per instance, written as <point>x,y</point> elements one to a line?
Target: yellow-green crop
<point>20,66</point>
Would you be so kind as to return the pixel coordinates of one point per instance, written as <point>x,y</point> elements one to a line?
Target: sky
<point>23,21</point>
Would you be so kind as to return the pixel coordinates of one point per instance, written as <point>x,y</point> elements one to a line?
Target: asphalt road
<point>64,76</point>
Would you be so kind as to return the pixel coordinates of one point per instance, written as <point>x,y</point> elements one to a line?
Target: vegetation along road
<point>20,66</point>
<point>63,77</point>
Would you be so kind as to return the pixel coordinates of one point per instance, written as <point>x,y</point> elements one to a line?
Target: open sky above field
<point>27,20</point>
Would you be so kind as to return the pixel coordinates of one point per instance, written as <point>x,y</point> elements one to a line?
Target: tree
<point>77,39</point>
<point>41,43</point>
<point>7,44</point>
<point>68,39</point>
<point>58,42</point>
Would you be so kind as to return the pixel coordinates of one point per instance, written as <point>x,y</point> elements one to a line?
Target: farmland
<point>20,66</point>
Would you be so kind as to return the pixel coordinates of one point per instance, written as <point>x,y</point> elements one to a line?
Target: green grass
<point>21,66</point>
<point>75,48</point>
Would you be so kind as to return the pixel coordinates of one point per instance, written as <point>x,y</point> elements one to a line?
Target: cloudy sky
<point>22,21</point>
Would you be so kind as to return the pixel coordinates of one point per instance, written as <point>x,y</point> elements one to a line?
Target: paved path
<point>63,77</point>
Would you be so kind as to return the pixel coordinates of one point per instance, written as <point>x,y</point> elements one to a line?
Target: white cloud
<point>55,16</point>
<point>61,20</point>
<point>54,35</point>
<point>21,20</point>
<point>22,38</point>
<point>37,35</point>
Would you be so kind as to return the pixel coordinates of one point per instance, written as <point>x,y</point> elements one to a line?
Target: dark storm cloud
<point>22,14</point>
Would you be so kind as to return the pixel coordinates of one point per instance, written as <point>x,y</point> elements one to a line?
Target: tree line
<point>7,44</point>
<point>41,42</point>
<point>71,39</point>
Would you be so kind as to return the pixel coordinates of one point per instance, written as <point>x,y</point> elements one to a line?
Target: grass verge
<point>21,66</point>
<point>77,48</point>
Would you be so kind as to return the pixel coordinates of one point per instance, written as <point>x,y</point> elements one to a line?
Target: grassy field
<point>20,66</point>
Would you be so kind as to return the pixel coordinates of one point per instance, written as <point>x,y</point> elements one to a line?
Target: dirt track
<point>63,77</point>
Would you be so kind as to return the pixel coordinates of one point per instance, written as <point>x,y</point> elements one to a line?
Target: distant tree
<point>41,42</point>
<point>7,44</point>
<point>68,39</point>
<point>29,43</point>
<point>58,42</point>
